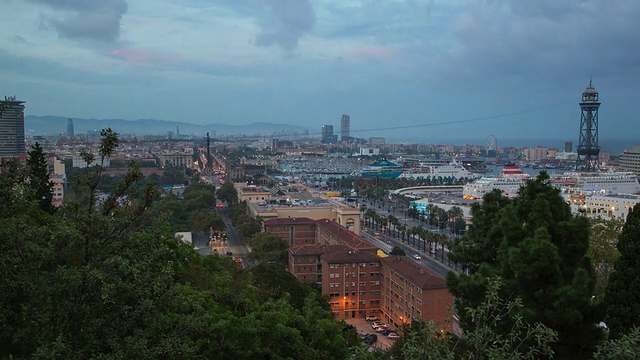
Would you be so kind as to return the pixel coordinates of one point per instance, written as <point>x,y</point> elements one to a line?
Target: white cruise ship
<point>601,183</point>
<point>509,181</point>
<point>438,171</point>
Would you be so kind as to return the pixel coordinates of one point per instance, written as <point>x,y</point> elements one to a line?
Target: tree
<point>603,251</point>
<point>228,193</point>
<point>398,251</point>
<point>269,248</point>
<point>426,340</point>
<point>38,177</point>
<point>626,347</point>
<point>539,248</point>
<point>623,290</point>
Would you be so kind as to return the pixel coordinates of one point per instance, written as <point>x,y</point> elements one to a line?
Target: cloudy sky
<point>432,70</point>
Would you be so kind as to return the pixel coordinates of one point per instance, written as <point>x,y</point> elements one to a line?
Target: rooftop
<point>415,273</point>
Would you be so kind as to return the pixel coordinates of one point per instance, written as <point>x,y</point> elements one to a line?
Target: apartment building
<point>352,280</point>
<point>410,291</point>
<point>357,279</point>
<point>295,231</point>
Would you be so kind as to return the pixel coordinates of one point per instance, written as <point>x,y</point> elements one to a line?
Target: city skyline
<point>441,71</point>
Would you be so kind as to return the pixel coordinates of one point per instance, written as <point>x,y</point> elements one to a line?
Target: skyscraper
<point>70,132</point>
<point>327,130</point>
<point>11,126</point>
<point>345,127</point>
<point>327,135</point>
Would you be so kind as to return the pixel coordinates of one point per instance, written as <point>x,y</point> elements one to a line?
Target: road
<point>386,243</point>
<point>234,243</point>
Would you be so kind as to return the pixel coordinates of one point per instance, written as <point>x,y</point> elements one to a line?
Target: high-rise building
<point>345,127</point>
<point>568,146</point>
<point>11,126</point>
<point>327,130</point>
<point>70,132</point>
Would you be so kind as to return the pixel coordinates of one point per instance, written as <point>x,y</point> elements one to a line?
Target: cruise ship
<point>383,169</point>
<point>600,183</point>
<point>439,170</point>
<point>509,181</point>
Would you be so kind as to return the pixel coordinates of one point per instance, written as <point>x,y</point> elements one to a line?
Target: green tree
<point>397,251</point>
<point>269,248</point>
<point>603,251</point>
<point>38,175</point>
<point>427,340</point>
<point>228,193</point>
<point>626,347</point>
<point>623,290</point>
<point>539,248</point>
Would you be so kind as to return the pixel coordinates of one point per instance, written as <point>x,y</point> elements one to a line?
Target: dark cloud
<point>289,20</point>
<point>88,19</point>
<point>548,38</point>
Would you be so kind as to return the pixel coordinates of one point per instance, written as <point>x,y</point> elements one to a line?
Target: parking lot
<point>364,327</point>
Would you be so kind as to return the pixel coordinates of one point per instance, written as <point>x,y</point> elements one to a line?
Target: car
<point>371,318</point>
<point>381,328</point>
<point>386,332</point>
<point>370,339</point>
<point>376,324</point>
<point>229,253</point>
<point>376,233</point>
<point>454,202</point>
<point>417,256</point>
<point>393,336</point>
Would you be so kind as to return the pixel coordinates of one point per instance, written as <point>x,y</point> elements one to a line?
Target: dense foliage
<point>623,291</point>
<point>105,278</point>
<point>539,248</point>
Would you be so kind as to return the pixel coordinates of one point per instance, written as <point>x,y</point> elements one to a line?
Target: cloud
<point>370,52</point>
<point>141,55</point>
<point>287,22</point>
<point>87,19</point>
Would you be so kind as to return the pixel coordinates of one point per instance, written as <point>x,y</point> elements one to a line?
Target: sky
<point>417,70</point>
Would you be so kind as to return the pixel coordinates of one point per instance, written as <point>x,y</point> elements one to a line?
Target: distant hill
<point>52,125</point>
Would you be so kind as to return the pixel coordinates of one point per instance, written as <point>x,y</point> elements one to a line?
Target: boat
<point>382,169</point>
<point>509,181</point>
<point>439,170</point>
<point>600,182</point>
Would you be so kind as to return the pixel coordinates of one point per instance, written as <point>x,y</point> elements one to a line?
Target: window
<point>375,283</point>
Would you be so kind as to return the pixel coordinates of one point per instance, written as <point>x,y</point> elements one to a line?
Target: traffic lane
<point>426,260</point>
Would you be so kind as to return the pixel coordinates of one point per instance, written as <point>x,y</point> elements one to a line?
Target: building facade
<point>345,127</point>
<point>630,159</point>
<point>295,231</point>
<point>412,291</point>
<point>11,127</point>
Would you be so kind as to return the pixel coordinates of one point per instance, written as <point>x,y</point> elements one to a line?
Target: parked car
<point>381,328</point>
<point>386,332</point>
<point>370,339</point>
<point>393,336</point>
<point>376,324</point>
<point>417,256</point>
<point>229,253</point>
<point>371,318</point>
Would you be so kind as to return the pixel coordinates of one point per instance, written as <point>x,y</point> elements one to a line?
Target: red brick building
<point>410,291</point>
<point>352,280</point>
<point>295,231</point>
<point>358,281</point>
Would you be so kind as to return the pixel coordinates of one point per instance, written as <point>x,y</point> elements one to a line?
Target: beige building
<point>630,159</point>
<point>175,158</point>
<point>539,153</point>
